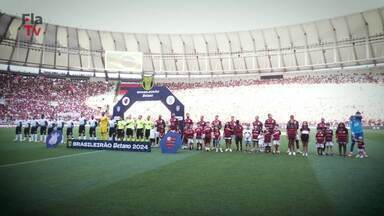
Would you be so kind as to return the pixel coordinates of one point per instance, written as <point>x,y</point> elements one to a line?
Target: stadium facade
<point>347,41</point>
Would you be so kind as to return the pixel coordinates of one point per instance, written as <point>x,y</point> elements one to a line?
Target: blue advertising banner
<point>53,139</point>
<point>157,93</point>
<point>110,145</point>
<point>170,143</point>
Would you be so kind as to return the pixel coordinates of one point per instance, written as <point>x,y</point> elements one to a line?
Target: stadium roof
<point>355,39</point>
<point>184,16</point>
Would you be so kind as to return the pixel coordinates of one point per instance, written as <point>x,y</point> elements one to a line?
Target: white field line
<point>46,159</point>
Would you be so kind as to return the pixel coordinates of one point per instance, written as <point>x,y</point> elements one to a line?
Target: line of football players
<point>266,137</point>
<point>206,135</point>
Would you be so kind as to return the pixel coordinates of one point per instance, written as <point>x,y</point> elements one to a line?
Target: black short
<point>120,133</point>
<point>238,139</point>
<point>81,129</point>
<point>50,130</point>
<point>147,133</point>
<point>26,131</point>
<point>304,137</point>
<point>140,132</point>
<point>69,131</point>
<point>43,130</point>
<point>129,132</point>
<point>18,130</point>
<point>33,130</point>
<point>112,132</point>
<point>92,132</point>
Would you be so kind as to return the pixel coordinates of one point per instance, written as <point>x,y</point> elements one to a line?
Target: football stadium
<point>216,107</point>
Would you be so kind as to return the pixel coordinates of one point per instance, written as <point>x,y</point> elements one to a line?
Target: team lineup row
<point>258,137</point>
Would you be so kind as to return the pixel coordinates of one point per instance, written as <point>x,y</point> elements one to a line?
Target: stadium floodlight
<point>124,61</point>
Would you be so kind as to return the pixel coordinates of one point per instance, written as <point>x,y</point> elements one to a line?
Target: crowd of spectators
<point>307,79</point>
<point>25,97</point>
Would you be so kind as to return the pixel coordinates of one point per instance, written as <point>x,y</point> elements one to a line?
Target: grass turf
<point>81,182</point>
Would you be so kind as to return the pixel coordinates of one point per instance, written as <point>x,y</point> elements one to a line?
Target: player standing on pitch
<point>112,129</point>
<point>19,125</point>
<point>189,133</point>
<point>187,122</point>
<point>216,138</point>
<point>276,140</point>
<point>27,127</point>
<point>51,126</point>
<point>201,123</point>
<point>104,126</point>
<point>257,129</point>
<point>69,131</point>
<point>238,136</point>
<point>173,123</point>
<point>292,127</point>
<point>129,127</point>
<point>199,137</point>
<point>232,125</point>
<point>320,139</point>
<point>60,128</point>
<point>255,137</point>
<point>92,128</point>
<point>160,129</point>
<point>304,130</point>
<point>120,129</point>
<point>356,126</point>
<point>228,137</point>
<point>34,126</point>
<point>207,136</point>
<point>217,123</point>
<point>322,126</point>
<point>82,123</point>
<point>140,128</point>
<point>43,128</point>
<point>270,125</point>
<point>148,125</point>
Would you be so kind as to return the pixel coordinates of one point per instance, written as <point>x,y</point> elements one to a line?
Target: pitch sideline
<point>46,159</point>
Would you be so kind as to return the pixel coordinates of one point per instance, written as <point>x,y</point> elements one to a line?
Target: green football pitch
<point>61,181</point>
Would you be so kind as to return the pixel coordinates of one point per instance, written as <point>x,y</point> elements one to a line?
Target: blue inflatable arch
<point>157,93</point>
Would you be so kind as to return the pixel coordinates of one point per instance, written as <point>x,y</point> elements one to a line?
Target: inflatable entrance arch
<point>157,93</point>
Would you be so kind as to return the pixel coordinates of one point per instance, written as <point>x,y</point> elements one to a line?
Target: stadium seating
<point>30,96</point>
<point>326,95</point>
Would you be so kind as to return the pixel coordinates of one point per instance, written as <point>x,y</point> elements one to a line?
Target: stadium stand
<point>26,97</point>
<point>324,95</point>
<point>201,69</point>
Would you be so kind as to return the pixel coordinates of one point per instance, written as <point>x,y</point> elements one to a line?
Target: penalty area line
<point>46,159</point>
